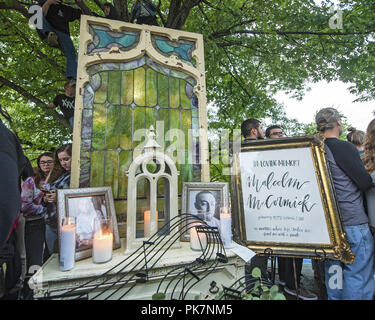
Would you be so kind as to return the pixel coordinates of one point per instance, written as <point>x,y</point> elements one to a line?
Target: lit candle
<point>226,228</point>
<point>147,223</point>
<point>198,241</point>
<point>102,247</point>
<point>67,245</point>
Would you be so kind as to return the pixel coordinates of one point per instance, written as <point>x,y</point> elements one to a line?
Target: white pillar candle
<point>198,241</point>
<point>226,228</point>
<point>102,247</point>
<point>67,246</point>
<point>147,223</point>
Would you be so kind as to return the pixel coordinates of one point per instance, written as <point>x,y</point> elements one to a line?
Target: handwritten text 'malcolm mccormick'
<point>270,182</point>
<point>277,201</point>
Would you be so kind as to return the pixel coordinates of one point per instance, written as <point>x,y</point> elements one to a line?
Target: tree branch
<point>34,99</point>
<point>15,5</point>
<point>227,32</point>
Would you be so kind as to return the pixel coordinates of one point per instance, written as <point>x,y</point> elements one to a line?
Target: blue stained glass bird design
<point>182,50</point>
<point>105,39</point>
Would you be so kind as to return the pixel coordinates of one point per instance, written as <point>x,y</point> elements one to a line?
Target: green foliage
<point>158,296</point>
<point>259,291</point>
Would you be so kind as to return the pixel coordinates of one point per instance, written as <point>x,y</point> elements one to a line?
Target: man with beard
<point>252,130</point>
<point>348,281</point>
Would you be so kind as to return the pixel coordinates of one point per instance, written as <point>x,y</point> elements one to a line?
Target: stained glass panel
<point>139,87</point>
<point>127,87</point>
<point>132,96</point>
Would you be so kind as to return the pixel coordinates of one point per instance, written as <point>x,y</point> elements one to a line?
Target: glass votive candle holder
<point>102,242</point>
<point>67,243</point>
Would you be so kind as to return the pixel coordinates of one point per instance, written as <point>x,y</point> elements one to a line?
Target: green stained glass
<point>151,88</point>
<point>98,132</point>
<point>163,115</point>
<point>114,91</point>
<point>127,87</point>
<point>126,128</point>
<point>141,208</point>
<point>142,187</point>
<point>174,119</point>
<point>132,96</point>
<point>125,161</point>
<point>97,169</point>
<point>139,118</point>
<point>111,171</point>
<point>163,90</point>
<point>185,101</point>
<point>120,208</point>
<point>150,117</point>
<point>161,187</point>
<point>174,92</point>
<point>186,125</point>
<point>101,92</point>
<point>113,119</point>
<point>139,87</point>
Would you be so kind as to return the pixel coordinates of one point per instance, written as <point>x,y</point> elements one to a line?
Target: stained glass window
<point>121,101</point>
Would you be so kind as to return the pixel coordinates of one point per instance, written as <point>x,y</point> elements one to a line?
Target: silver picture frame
<point>218,191</point>
<point>68,199</point>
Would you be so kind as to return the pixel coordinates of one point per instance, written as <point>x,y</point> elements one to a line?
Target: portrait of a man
<point>206,205</point>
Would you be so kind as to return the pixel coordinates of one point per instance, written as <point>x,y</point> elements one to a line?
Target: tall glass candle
<point>147,222</point>
<point>102,247</point>
<point>67,243</point>
<point>226,227</point>
<point>102,242</point>
<point>198,240</point>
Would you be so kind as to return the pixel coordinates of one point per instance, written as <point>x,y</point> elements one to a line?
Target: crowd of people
<point>352,166</point>
<point>28,214</point>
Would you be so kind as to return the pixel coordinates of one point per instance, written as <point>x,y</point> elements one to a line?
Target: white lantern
<point>138,170</point>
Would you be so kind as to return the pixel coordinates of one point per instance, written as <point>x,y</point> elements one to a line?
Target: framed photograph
<point>284,200</point>
<point>204,200</point>
<point>87,204</point>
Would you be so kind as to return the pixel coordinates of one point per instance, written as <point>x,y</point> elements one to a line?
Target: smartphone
<point>45,190</point>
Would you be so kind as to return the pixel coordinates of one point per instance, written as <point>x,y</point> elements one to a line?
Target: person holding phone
<point>33,191</point>
<point>59,179</point>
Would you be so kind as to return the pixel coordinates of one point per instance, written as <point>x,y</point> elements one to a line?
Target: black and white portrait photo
<point>205,200</point>
<point>206,205</point>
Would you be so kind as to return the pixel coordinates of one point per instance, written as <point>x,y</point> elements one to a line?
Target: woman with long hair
<point>368,159</point>
<point>59,179</point>
<point>33,191</point>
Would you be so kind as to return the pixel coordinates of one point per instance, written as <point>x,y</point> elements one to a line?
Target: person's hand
<point>51,196</point>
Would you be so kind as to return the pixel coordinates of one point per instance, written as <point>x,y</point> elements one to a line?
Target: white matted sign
<point>285,202</point>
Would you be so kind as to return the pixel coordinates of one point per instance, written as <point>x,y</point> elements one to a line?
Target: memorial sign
<point>285,199</point>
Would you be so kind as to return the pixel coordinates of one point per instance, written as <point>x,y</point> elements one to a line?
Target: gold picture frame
<point>98,195</point>
<point>284,203</point>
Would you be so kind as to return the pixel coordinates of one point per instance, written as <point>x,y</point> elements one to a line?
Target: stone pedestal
<point>112,280</point>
